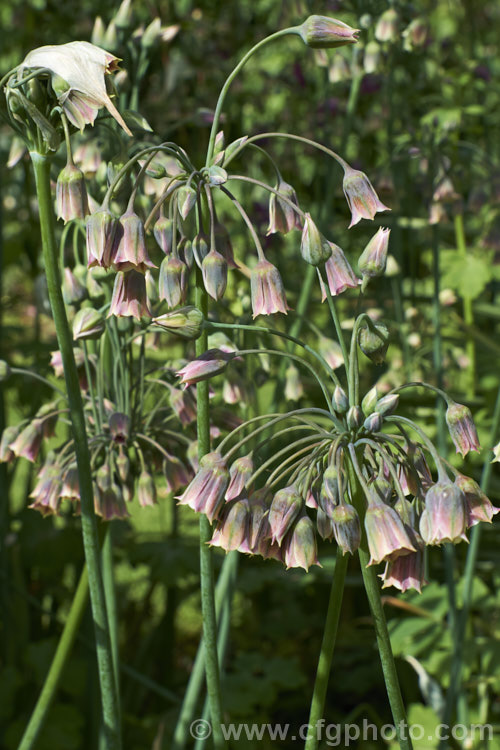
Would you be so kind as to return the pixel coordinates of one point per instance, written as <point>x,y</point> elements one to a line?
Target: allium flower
<point>71,194</point>
<point>268,293</point>
<point>205,493</point>
<point>131,253</point>
<point>477,505</point>
<point>88,323</point>
<point>211,362</point>
<point>285,507</point>
<point>339,273</point>
<point>373,259</point>
<point>103,233</point>
<point>240,472</point>
<point>214,268</point>
<point>314,248</point>
<point>78,72</point>
<point>129,296</point>
<point>346,527</point>
<point>405,572</point>
<point>28,441</point>
<point>320,32</point>
<point>385,531</point>
<point>232,530</point>
<point>361,197</point>
<point>462,428</point>
<point>282,216</point>
<point>172,284</point>
<point>299,547</point>
<point>146,490</point>
<point>387,27</point>
<point>443,519</point>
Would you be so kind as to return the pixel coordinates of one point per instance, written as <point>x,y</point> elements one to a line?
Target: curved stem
<point>41,166</point>
<point>292,137</point>
<point>230,79</point>
<point>63,650</point>
<point>327,646</point>
<point>244,216</point>
<point>36,376</point>
<point>206,562</point>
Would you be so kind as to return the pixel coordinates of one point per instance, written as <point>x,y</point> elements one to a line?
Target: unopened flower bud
<point>369,401</point>
<point>205,493</point>
<point>185,321</point>
<point>340,400</point>
<point>163,232</point>
<point>214,269</point>
<point>285,507</point>
<point>346,528</point>
<point>374,341</point>
<point>232,530</point>
<point>387,28</point>
<point>186,200</point>
<point>354,418</point>
<point>101,230</point>
<point>71,194</point>
<point>146,490</point>
<point>361,197</point>
<point>200,248</point>
<point>387,404</point>
<point>294,390</point>
<point>373,423</point>
<point>28,441</point>
<point>331,351</point>
<point>324,525</point>
<point>73,290</point>
<point>122,463</point>
<point>477,505</point>
<point>322,32</point>
<point>416,34</point>
<point>88,324</point>
<point>172,284</point>
<point>314,248</point>
<point>240,472</point>
<point>462,428</point>
<point>9,435</point>
<point>123,16</point>
<point>373,259</point>
<point>299,547</point>
<point>268,293</point>
<point>132,253</point>
<point>371,60</point>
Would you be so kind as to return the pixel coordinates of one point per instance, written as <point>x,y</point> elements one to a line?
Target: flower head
<point>211,362</point>
<point>443,519</point>
<point>268,293</point>
<point>462,428</point>
<point>129,295</point>
<point>205,493</point>
<point>386,533</point>
<point>282,216</point>
<point>322,32</point>
<point>339,273</point>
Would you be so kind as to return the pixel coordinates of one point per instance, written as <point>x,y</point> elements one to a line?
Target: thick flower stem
<point>206,563</point>
<point>327,646</point>
<point>63,650</point>
<point>41,166</point>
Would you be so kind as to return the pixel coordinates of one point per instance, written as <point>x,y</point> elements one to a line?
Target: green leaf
<point>468,275</point>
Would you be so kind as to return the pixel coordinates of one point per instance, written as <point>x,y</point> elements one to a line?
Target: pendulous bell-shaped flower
<point>268,293</point>
<point>361,197</point>
<point>129,298</point>
<point>462,428</point>
<point>443,518</point>
<point>205,493</point>
<point>211,362</point>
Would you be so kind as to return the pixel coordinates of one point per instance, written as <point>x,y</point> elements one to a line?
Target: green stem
<point>454,689</point>
<point>206,562</point>
<point>230,79</point>
<point>372,588</point>
<point>470,346</point>
<point>187,712</point>
<point>111,605</point>
<point>63,650</point>
<point>327,646</point>
<point>41,166</point>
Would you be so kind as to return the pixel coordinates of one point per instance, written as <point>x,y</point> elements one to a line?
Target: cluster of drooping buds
<point>128,449</point>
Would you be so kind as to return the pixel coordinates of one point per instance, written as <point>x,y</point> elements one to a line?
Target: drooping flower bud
<point>129,296</point>
<point>184,405</point>
<point>186,200</point>
<point>146,490</point>
<point>322,32</point>
<point>205,493</point>
<point>314,248</point>
<point>8,436</point>
<point>387,404</point>
<point>385,531</point>
<point>282,216</point>
<point>101,230</point>
<point>185,321</point>
<point>294,390</point>
<point>73,290</point>
<point>132,253</point>
<point>374,341</point>
<point>163,232</point>
<point>373,259</point>
<point>462,428</point>
<point>387,27</point>
<point>28,441</point>
<point>346,528</point>
<point>339,273</point>
<point>285,507</point>
<point>71,194</point>
<point>299,547</point>
<point>478,507</point>
<point>331,351</point>
<point>361,197</point>
<point>329,494</point>
<point>443,519</point>
<point>232,530</point>
<point>372,56</point>
<point>71,486</point>
<point>214,269</point>
<point>109,503</point>
<point>46,494</point>
<point>268,293</point>
<point>177,475</point>
<point>373,422</point>
<point>406,572</point>
<point>122,463</point>
<point>324,525</point>
<point>240,472</point>
<point>416,34</point>
<point>354,418</point>
<point>369,401</point>
<point>88,323</point>
<point>172,284</point>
